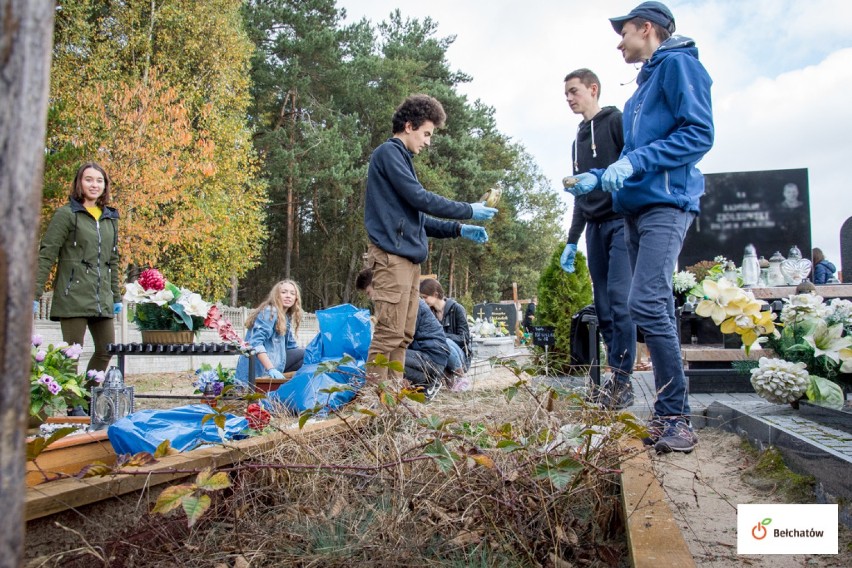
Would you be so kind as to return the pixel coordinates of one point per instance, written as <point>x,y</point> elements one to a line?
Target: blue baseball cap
<point>655,12</point>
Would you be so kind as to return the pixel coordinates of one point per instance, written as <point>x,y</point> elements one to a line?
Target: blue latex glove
<point>116,308</point>
<point>614,176</point>
<point>474,233</point>
<point>275,374</point>
<point>482,212</point>
<point>567,258</point>
<point>587,182</point>
<point>35,307</point>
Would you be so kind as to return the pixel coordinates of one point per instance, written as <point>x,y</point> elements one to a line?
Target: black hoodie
<point>604,131</point>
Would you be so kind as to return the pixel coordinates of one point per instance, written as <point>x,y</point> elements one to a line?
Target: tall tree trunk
<point>451,292</point>
<point>25,46</point>
<point>150,46</point>
<point>235,286</point>
<point>291,222</point>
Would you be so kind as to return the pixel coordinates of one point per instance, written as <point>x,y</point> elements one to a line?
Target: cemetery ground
<point>419,514</point>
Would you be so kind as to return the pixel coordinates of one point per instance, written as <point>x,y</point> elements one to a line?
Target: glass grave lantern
<point>111,401</point>
<point>774,276</point>
<point>795,268</point>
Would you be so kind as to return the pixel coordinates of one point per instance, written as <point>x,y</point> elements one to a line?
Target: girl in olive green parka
<point>82,238</point>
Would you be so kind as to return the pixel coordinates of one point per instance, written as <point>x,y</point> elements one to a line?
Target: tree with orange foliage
<point>157,91</point>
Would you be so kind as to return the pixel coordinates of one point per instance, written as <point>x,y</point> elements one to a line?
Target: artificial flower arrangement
<point>683,282</point>
<point>160,305</point>
<point>485,328</point>
<point>213,380</point>
<point>54,383</point>
<point>812,341</point>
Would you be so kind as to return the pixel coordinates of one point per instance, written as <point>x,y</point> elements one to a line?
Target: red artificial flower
<point>257,417</point>
<point>152,279</point>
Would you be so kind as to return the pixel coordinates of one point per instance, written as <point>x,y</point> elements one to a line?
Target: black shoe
<point>655,427</point>
<point>616,395</point>
<point>677,437</point>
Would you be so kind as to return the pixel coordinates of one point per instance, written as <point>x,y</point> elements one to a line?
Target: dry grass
<point>471,479</point>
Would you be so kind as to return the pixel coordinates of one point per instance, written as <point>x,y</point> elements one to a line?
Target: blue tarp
<point>343,330</point>
<point>144,430</point>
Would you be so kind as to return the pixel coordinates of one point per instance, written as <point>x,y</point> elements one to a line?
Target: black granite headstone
<point>769,209</point>
<point>507,314</point>
<point>846,250</point>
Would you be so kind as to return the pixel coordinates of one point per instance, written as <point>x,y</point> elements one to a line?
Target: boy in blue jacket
<point>668,127</point>
<point>400,215</point>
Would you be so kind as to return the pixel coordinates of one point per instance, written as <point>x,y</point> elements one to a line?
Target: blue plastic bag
<point>343,330</point>
<point>303,391</point>
<point>144,430</point>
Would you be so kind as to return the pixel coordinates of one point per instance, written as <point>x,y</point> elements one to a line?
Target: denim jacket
<point>264,338</point>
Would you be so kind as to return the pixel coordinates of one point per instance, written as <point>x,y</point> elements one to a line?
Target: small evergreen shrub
<point>560,296</point>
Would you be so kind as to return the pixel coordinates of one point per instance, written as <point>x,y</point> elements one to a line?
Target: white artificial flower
<point>839,311</point>
<point>683,281</point>
<point>779,381</point>
<point>162,297</point>
<point>192,303</point>
<point>827,341</point>
<point>136,293</point>
<point>801,307</point>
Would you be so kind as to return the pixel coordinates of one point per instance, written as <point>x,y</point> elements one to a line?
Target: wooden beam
<point>49,498</point>
<point>653,537</point>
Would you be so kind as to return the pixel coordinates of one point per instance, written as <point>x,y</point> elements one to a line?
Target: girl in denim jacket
<point>271,331</point>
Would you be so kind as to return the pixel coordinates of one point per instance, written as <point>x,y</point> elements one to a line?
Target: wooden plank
<point>653,537</point>
<point>49,498</point>
<point>69,455</point>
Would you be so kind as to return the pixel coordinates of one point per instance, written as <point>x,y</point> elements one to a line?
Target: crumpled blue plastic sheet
<point>144,430</point>
<point>343,330</point>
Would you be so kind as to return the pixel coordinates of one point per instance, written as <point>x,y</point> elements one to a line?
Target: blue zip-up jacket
<point>264,338</point>
<point>668,127</point>
<point>823,272</point>
<point>397,208</point>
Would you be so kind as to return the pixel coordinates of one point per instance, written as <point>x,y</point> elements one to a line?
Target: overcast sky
<point>782,73</point>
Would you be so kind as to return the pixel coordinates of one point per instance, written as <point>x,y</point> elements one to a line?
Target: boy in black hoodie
<point>599,142</point>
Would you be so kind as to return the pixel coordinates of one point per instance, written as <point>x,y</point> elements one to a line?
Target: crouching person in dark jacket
<point>428,354</point>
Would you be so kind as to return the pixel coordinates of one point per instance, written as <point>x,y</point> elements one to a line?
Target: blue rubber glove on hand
<point>275,374</point>
<point>116,307</point>
<point>614,176</point>
<point>567,258</point>
<point>35,307</point>
<point>482,212</point>
<point>474,233</point>
<point>586,183</point>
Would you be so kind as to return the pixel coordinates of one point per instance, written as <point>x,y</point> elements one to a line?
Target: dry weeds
<point>471,479</point>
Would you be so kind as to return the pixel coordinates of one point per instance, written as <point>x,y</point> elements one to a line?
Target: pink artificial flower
<point>152,279</point>
<point>45,379</point>
<point>54,387</point>
<point>97,376</point>
<point>74,351</point>
<point>37,340</point>
<point>40,356</point>
<point>213,316</point>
